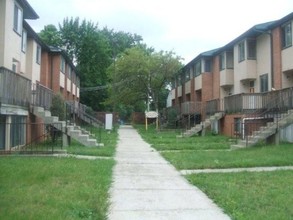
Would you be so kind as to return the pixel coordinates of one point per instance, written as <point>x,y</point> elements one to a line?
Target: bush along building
<point>32,76</point>
<point>243,89</point>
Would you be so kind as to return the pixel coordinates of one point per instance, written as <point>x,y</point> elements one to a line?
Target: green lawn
<point>58,188</point>
<point>243,196</point>
<point>251,157</point>
<point>169,140</point>
<point>54,188</point>
<point>246,196</point>
<point>109,139</point>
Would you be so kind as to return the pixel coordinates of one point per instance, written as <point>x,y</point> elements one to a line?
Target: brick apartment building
<point>30,73</point>
<point>239,79</point>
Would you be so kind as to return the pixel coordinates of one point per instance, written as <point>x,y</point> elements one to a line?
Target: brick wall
<point>207,86</point>
<point>277,58</point>
<point>227,124</point>
<point>216,78</point>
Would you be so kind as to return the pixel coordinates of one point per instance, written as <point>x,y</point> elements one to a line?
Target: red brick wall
<point>192,93</point>
<point>227,124</point>
<point>216,78</point>
<point>45,76</point>
<point>207,86</point>
<point>277,58</point>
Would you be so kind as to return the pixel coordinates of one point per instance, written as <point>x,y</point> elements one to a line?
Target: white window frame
<point>23,41</point>
<point>62,64</point>
<point>38,54</point>
<point>287,35</point>
<point>241,51</point>
<point>17,19</point>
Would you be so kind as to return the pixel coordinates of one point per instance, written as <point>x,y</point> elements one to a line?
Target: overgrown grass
<point>259,156</point>
<point>54,188</point>
<point>169,140</point>
<point>109,139</point>
<point>191,152</point>
<point>245,196</point>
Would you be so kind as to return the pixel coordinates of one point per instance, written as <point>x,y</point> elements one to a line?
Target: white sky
<point>188,27</point>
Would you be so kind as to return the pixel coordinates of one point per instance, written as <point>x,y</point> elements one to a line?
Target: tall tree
<point>51,36</point>
<point>141,75</point>
<point>92,50</point>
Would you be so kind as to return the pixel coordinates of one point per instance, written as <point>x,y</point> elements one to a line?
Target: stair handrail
<point>274,107</point>
<point>82,114</point>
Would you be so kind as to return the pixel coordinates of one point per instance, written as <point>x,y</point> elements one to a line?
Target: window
<point>15,65</point>
<point>222,61</point>
<point>17,19</point>
<point>197,68</point>
<point>179,80</point>
<point>251,86</point>
<point>23,41</point>
<point>17,130</point>
<point>207,65</point>
<point>69,72</point>
<point>241,51</point>
<point>251,49</point>
<point>264,83</point>
<point>38,55</point>
<point>237,126</point>
<point>187,75</point>
<point>2,131</point>
<point>230,60</point>
<point>286,35</point>
<point>62,65</point>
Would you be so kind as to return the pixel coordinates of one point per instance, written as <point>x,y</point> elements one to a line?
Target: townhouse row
<point>30,73</point>
<point>237,79</point>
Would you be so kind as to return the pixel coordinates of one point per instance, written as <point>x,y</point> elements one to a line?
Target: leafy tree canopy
<point>140,74</point>
<point>92,50</point>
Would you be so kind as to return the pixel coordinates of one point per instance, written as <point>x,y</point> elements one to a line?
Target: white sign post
<point>151,114</point>
<point>109,122</point>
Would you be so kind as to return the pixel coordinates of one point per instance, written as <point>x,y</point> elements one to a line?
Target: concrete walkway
<point>145,186</point>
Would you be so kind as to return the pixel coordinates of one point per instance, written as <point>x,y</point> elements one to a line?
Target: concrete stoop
<point>265,132</point>
<point>203,125</point>
<point>75,132</point>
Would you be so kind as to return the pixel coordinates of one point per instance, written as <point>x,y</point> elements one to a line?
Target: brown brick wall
<point>227,124</point>
<point>45,76</point>
<point>207,86</point>
<point>277,58</point>
<point>216,78</point>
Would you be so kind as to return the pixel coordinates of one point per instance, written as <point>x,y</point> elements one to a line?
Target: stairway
<point>75,132</point>
<point>203,125</point>
<point>264,132</point>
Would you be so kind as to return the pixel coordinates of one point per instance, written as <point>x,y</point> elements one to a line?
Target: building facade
<point>30,73</point>
<point>238,78</point>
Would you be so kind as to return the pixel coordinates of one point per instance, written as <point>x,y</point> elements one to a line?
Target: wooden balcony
<point>14,88</point>
<point>243,102</point>
<point>188,108</point>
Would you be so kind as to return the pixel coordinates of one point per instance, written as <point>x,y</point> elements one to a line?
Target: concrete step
<point>237,146</point>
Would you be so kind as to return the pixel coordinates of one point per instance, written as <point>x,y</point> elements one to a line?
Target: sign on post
<point>151,114</point>
<point>109,122</point>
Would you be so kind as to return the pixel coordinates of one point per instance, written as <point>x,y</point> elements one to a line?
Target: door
<point>2,132</point>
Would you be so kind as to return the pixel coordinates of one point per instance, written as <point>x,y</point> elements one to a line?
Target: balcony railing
<point>14,89</point>
<point>42,96</point>
<point>244,102</point>
<point>214,106</point>
<point>191,108</point>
